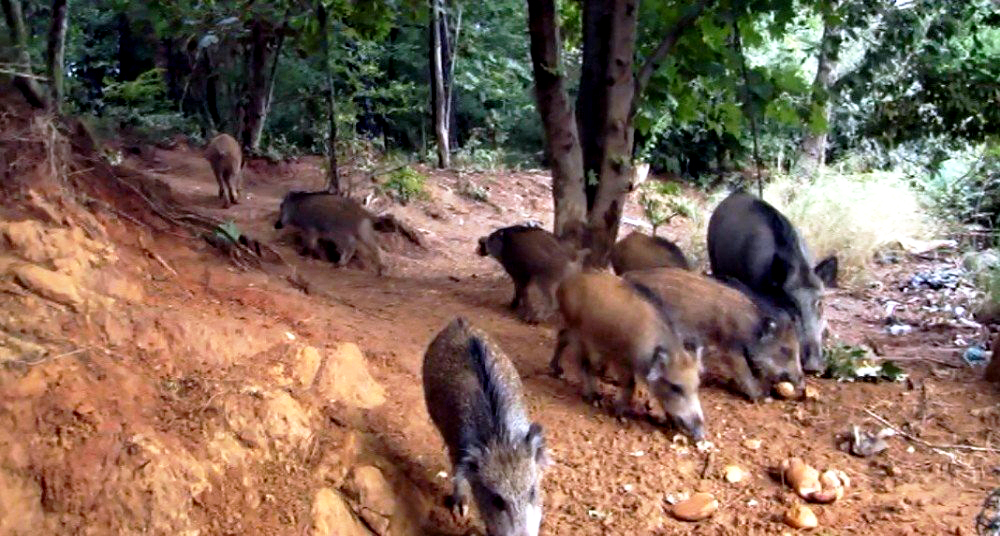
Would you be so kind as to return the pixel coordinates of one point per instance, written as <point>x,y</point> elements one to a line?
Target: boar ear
<point>536,443</point>
<point>659,367</point>
<point>768,328</point>
<point>826,270</point>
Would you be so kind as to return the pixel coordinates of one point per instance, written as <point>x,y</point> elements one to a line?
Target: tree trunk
<point>591,101</point>
<point>812,150</point>
<point>254,111</point>
<point>439,96</point>
<point>24,82</point>
<point>56,52</point>
<point>332,173</point>
<point>563,143</point>
<point>616,163</point>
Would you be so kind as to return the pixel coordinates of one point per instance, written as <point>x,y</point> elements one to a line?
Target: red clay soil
<point>166,409</point>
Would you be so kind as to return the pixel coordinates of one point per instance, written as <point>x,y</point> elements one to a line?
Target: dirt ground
<point>155,388</point>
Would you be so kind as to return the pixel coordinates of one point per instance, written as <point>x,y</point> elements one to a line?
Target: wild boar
<point>474,397</point>
<point>639,251</point>
<point>531,257</point>
<point>751,242</point>
<point>340,220</point>
<point>758,344</point>
<point>226,158</point>
<point>607,319</point>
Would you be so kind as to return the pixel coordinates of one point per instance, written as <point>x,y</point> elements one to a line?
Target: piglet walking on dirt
<point>226,158</point>
<point>474,396</point>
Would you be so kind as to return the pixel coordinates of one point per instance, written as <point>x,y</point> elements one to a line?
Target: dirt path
<point>611,477</point>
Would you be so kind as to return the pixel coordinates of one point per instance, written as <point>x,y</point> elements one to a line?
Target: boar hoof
<point>459,506</point>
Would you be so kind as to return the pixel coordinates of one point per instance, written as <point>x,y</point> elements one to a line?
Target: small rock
<point>700,506</point>
<point>344,377</point>
<point>733,474</point>
<point>752,444</point>
<point>372,490</point>
<point>801,517</point>
<point>811,393</point>
<point>331,516</point>
<point>48,284</point>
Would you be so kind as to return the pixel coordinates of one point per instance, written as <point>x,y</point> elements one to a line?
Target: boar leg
<point>520,288</point>
<point>234,196</point>
<point>310,243</point>
<point>458,501</point>
<point>346,246</point>
<point>745,380</point>
<point>590,394</point>
<point>370,243</point>
<point>563,340</point>
<point>624,401</point>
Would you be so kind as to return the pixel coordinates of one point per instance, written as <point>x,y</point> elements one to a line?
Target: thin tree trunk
<point>812,150</point>
<point>332,173</point>
<point>616,165</point>
<point>56,52</point>
<point>563,143</point>
<point>19,38</point>
<point>437,78</point>
<point>449,79</point>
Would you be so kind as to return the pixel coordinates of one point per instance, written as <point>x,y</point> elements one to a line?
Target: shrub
<point>405,185</point>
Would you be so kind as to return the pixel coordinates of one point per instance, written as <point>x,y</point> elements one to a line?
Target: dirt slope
<point>187,397</point>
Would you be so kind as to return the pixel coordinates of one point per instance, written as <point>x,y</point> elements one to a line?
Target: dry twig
<point>937,448</point>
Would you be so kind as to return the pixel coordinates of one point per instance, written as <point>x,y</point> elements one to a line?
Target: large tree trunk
<point>812,150</point>
<point>616,163</point>
<point>591,101</point>
<point>56,51</point>
<point>332,173</point>
<point>19,38</point>
<point>439,96</point>
<point>254,112</point>
<point>563,143</point>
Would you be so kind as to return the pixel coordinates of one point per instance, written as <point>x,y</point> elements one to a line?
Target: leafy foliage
<point>405,185</point>
<point>662,201</point>
<point>855,363</point>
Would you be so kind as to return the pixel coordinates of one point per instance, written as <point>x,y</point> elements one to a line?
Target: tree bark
<point>561,137</point>
<point>56,51</point>
<point>24,82</point>
<point>591,102</point>
<point>254,111</point>
<point>332,173</point>
<point>812,150</point>
<point>616,164</point>
<point>439,96</point>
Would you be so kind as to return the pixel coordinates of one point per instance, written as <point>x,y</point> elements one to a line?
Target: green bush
<point>662,201</point>
<point>405,185</point>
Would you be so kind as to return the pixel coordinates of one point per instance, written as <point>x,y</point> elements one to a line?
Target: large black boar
<point>753,243</point>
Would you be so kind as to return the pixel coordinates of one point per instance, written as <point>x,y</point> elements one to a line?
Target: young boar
<point>639,251</point>
<point>608,319</point>
<point>226,159</point>
<point>341,220</point>
<point>758,344</point>
<point>474,396</point>
<point>751,242</point>
<point>531,256</point>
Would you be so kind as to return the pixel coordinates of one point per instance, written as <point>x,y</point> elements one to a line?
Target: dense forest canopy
<point>743,84</point>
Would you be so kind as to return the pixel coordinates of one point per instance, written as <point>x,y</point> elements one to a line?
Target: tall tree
<point>812,150</point>
<point>441,102</point>
<point>23,79</point>
<point>263,49</point>
<point>332,173</point>
<point>592,171</point>
<point>56,51</point>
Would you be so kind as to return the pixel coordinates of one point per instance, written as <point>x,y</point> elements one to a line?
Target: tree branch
<point>666,45</point>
